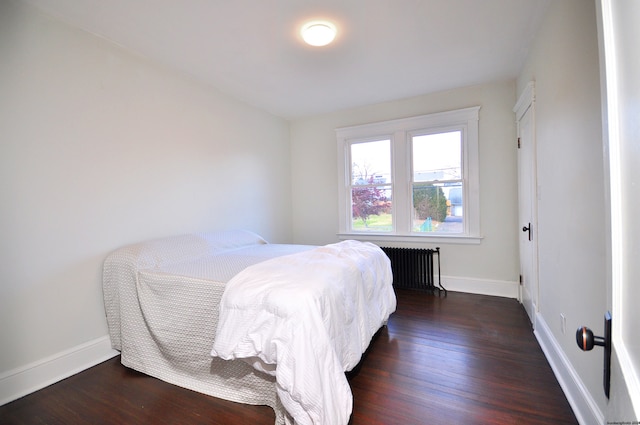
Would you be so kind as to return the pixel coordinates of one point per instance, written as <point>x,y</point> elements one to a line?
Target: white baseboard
<point>583,405</point>
<point>498,288</point>
<point>24,380</point>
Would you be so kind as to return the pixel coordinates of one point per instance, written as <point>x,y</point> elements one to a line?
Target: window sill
<point>413,239</point>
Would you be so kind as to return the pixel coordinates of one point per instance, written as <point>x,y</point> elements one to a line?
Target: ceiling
<point>385,49</point>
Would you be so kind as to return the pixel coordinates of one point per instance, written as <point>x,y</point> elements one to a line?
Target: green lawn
<point>375,223</point>
<point>383,223</point>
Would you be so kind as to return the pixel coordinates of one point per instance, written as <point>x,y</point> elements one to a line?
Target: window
<point>371,188</point>
<point>411,178</point>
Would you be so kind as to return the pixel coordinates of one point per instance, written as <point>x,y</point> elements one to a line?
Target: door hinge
<point>520,280</point>
<point>518,143</point>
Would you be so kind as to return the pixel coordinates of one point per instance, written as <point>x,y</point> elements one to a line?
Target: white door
<point>527,205</point>
<point>620,32</point>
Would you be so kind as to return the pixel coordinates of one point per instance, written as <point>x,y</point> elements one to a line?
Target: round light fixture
<point>318,33</point>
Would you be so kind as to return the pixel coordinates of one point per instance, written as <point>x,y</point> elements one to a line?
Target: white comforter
<point>306,319</point>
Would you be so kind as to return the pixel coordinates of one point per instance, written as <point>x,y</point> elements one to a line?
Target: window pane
<point>438,208</point>
<point>371,162</point>
<point>437,157</point>
<point>371,209</point>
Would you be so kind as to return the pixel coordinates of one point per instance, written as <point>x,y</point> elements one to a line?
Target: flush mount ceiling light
<point>318,33</point>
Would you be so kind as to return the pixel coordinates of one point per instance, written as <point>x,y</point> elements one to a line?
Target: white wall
<point>100,148</point>
<point>565,66</point>
<point>314,177</point>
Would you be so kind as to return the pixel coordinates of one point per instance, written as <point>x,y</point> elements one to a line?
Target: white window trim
<point>399,132</point>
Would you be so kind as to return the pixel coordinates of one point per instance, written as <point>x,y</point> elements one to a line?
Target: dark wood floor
<point>464,359</point>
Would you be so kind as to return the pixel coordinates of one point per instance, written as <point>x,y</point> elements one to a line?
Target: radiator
<point>414,268</point>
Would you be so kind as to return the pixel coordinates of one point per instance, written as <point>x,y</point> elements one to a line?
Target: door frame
<point>625,380</point>
<point>526,103</point>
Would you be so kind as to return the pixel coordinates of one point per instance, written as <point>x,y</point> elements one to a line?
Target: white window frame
<point>400,132</point>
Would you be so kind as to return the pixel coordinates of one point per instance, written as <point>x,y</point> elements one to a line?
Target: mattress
<point>161,300</point>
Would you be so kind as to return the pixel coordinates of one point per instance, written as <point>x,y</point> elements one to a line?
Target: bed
<point>230,315</point>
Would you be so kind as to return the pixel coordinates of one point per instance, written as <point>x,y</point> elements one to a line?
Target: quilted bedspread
<point>306,318</point>
<point>161,298</point>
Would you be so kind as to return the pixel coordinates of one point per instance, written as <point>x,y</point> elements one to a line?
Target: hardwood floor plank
<point>461,359</point>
